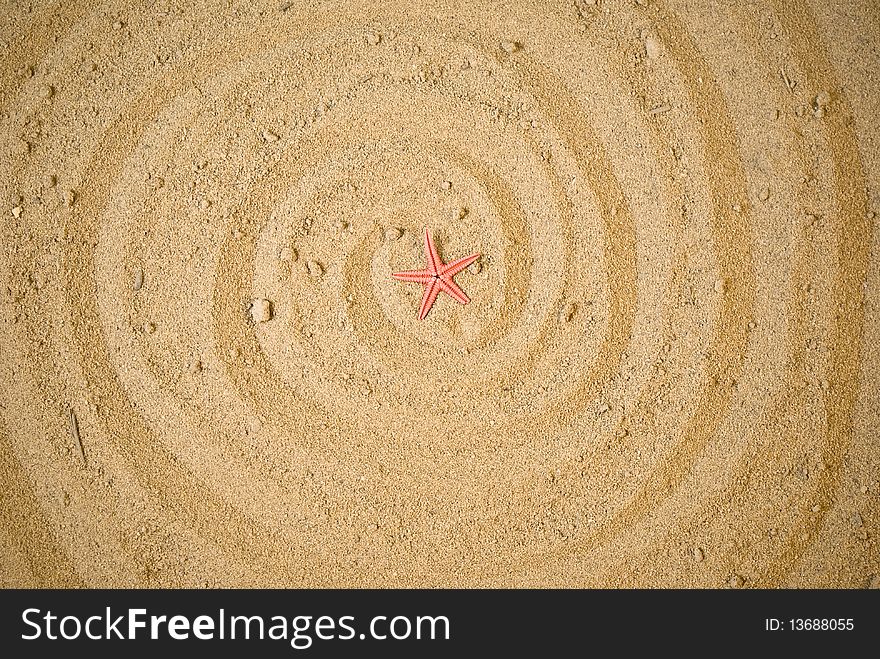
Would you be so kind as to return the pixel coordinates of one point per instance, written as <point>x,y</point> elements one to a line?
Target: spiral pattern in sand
<point>667,375</point>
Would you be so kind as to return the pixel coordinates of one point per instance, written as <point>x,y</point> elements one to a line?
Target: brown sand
<point>668,374</point>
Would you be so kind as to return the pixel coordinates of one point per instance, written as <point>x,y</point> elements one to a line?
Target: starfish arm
<point>454,267</point>
<point>432,290</point>
<point>451,288</point>
<point>431,256</point>
<point>417,276</point>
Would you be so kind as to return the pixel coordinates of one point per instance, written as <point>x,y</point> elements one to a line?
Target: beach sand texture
<point>668,374</point>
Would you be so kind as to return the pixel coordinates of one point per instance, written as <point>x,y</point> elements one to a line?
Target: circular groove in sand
<point>507,431</point>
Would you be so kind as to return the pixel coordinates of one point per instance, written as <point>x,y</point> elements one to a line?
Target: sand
<point>668,374</point>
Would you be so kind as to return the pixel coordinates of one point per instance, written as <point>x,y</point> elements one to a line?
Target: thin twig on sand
<point>74,432</point>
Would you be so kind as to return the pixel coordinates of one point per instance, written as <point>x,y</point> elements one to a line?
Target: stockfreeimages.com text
<point>301,631</point>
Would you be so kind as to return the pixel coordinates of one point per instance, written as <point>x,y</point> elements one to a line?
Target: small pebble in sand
<point>195,367</point>
<point>149,328</point>
<point>446,185</point>
<point>373,38</point>
<point>822,99</point>
<point>47,91</point>
<point>16,212</point>
<point>698,554</point>
<point>261,310</point>
<point>118,25</point>
<point>720,285</point>
<point>816,508</point>
<point>652,48</point>
<point>752,325</point>
<point>764,194</point>
<point>288,254</point>
<point>138,279</point>
<point>69,198</point>
<point>736,581</point>
<point>270,136</point>
<point>314,269</point>
<point>825,384</point>
<point>234,353</point>
<point>510,47</point>
<point>475,268</point>
<point>392,234</point>
<point>567,312</point>
<point>204,204</point>
<point>49,180</point>
<point>462,212</point>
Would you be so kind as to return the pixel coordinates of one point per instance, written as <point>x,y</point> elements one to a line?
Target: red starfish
<point>437,276</point>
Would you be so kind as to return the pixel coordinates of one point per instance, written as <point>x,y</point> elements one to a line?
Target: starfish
<point>437,276</point>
